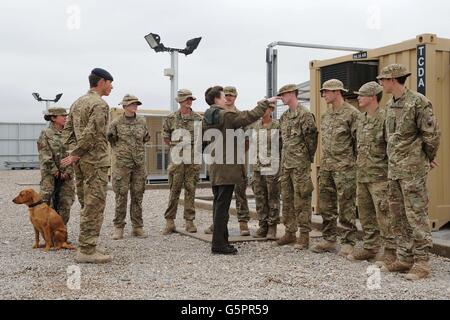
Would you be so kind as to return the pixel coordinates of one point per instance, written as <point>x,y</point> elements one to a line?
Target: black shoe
<point>224,250</point>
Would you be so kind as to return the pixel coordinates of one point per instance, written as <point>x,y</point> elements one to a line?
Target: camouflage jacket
<point>175,121</point>
<point>229,171</point>
<point>257,127</point>
<point>51,151</point>
<point>339,138</point>
<point>299,135</point>
<point>127,137</point>
<point>85,129</point>
<point>372,161</point>
<point>413,135</point>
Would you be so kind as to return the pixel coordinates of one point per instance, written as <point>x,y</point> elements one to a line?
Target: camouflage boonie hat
<point>231,91</point>
<point>54,112</point>
<point>129,99</point>
<point>333,85</point>
<point>287,88</point>
<point>184,94</point>
<point>393,71</point>
<point>369,89</point>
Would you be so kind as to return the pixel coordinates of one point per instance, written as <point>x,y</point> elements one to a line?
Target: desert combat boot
<point>139,232</point>
<point>170,227</point>
<point>95,257</point>
<point>324,246</point>
<point>118,233</point>
<point>303,241</point>
<point>243,226</point>
<point>420,270</point>
<point>190,226</point>
<point>361,254</point>
<point>289,237</point>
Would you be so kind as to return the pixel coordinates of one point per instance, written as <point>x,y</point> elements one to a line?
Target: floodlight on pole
<point>58,96</point>
<point>154,41</point>
<point>36,96</point>
<point>47,101</point>
<point>191,45</point>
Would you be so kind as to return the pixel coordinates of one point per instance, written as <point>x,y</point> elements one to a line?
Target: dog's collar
<point>35,204</point>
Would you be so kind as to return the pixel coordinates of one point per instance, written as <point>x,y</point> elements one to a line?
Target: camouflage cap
<point>129,99</point>
<point>393,71</point>
<point>184,94</point>
<point>56,111</point>
<point>287,88</point>
<point>369,89</point>
<point>231,91</point>
<point>333,85</point>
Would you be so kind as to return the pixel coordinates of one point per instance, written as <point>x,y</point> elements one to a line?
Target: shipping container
<point>428,58</point>
<point>18,148</point>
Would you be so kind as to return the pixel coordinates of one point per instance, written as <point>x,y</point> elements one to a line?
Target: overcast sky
<point>50,46</point>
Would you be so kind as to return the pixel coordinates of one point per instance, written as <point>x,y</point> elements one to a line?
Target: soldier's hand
<point>434,164</point>
<point>273,99</point>
<point>67,161</point>
<point>57,174</point>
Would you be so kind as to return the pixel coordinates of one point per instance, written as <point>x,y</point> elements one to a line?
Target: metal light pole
<point>172,73</point>
<point>272,61</point>
<point>154,42</point>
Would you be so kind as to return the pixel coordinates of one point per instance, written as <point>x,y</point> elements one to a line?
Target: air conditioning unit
<point>352,73</point>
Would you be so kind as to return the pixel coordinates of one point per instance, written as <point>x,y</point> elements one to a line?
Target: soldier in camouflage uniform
<point>182,174</point>
<point>299,137</point>
<point>86,129</point>
<point>240,189</point>
<point>265,182</point>
<point>57,187</point>
<point>413,138</point>
<point>372,168</point>
<point>127,136</point>
<point>337,175</point>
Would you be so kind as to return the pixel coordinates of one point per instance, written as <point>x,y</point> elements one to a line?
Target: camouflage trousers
<point>240,190</point>
<point>126,179</point>
<point>95,185</point>
<point>373,209</point>
<point>296,192</point>
<point>267,195</point>
<point>66,195</point>
<point>179,175</point>
<point>79,183</point>
<point>338,189</point>
<point>408,203</point>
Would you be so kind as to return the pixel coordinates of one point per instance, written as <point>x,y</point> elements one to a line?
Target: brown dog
<point>45,221</point>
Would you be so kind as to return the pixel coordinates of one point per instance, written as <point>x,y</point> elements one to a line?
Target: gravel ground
<point>180,267</point>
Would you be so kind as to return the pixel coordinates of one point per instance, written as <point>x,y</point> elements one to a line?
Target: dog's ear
<point>33,195</point>
<point>27,194</point>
